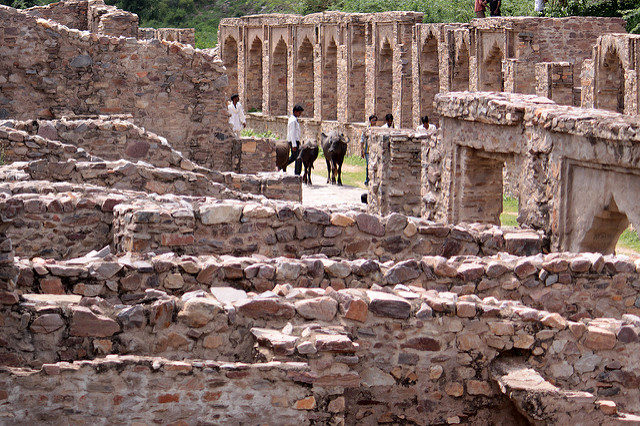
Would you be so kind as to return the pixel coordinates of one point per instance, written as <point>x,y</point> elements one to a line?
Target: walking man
<point>236,115</point>
<point>293,137</point>
<point>364,143</point>
<point>494,7</point>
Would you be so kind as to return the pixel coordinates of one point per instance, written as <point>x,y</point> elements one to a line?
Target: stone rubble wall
<point>181,35</point>
<point>275,229</point>
<point>71,72</point>
<point>371,343</point>
<point>395,171</point>
<point>121,139</point>
<point>572,285</point>
<point>111,390</point>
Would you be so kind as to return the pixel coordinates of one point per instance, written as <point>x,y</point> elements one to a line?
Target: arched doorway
<point>330,83</point>
<point>610,83</point>
<point>230,61</point>
<point>460,78</point>
<point>429,76</point>
<point>278,84</point>
<point>491,72</point>
<point>303,78</point>
<point>254,77</point>
<point>384,81</point>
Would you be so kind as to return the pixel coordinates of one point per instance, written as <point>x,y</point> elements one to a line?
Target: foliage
<point>250,133</point>
<point>25,4</point>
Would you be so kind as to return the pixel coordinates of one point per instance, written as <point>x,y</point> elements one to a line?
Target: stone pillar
<point>370,69</point>
<point>242,64</point>
<point>266,72</point>
<point>631,92</point>
<point>475,50</point>
<point>587,81</point>
<point>291,68</point>
<point>395,172</point>
<point>396,99</point>
<point>317,81</point>
<point>415,75</point>
<point>343,82</point>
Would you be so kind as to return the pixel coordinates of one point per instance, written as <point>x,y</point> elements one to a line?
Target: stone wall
<point>395,170</point>
<point>275,229</point>
<point>579,196</point>
<point>69,72</point>
<point>407,339</point>
<point>574,285</point>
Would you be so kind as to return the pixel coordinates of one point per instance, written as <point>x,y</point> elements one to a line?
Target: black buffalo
<point>334,147</point>
<point>282,155</point>
<point>308,154</point>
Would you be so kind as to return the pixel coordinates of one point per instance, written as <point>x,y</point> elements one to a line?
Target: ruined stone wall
<point>80,73</point>
<point>406,339</point>
<point>71,14</point>
<point>280,230</point>
<point>395,171</point>
<point>573,285</point>
<point>574,193</point>
<point>554,80</point>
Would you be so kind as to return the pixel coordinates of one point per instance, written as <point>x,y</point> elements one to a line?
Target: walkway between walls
<point>323,194</point>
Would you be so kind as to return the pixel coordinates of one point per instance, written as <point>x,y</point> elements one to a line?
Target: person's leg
<point>293,157</point>
<point>366,169</point>
<point>480,14</point>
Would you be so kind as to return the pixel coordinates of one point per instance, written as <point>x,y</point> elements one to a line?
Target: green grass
<point>629,240</point>
<point>353,177</point>
<point>255,134</point>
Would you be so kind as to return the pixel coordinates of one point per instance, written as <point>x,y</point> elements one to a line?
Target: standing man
<point>479,8</point>
<point>425,127</point>
<point>293,137</point>
<point>364,143</point>
<point>236,115</point>
<point>388,121</point>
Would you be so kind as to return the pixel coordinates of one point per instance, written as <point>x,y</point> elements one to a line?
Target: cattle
<point>308,155</point>
<point>282,155</point>
<point>334,147</point>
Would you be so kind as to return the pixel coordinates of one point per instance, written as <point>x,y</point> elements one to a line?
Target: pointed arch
<point>610,82</point>
<point>384,80</point>
<point>278,90</point>
<point>460,77</point>
<point>230,61</point>
<point>429,75</point>
<point>303,77</point>
<point>330,82</point>
<point>491,72</point>
<point>254,76</point>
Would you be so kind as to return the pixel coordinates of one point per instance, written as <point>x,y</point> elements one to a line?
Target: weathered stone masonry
<point>328,61</point>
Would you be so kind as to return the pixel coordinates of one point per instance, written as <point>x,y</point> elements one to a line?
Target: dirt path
<point>323,194</point>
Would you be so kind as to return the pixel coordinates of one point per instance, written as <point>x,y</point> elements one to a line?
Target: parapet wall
<point>70,72</point>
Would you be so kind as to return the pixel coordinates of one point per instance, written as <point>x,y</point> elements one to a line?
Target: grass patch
<point>250,133</point>
<point>353,174</point>
<point>509,204</point>
<point>629,240</point>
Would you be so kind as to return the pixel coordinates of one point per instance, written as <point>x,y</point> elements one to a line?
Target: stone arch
<point>429,76</point>
<point>610,82</point>
<point>303,82</point>
<point>491,71</point>
<point>230,61</point>
<point>606,228</point>
<point>278,83</point>
<point>384,81</point>
<point>330,82</point>
<point>254,76</point>
<point>460,77</point>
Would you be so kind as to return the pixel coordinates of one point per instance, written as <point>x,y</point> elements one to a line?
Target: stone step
<point>545,404</point>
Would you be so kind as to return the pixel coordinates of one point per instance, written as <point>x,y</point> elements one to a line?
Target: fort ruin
<point>155,268</point>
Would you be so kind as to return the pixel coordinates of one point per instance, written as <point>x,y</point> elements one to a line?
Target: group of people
<point>481,5</point>
<point>422,129</point>
<point>238,121</point>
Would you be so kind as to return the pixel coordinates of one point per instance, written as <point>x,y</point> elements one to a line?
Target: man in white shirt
<point>425,127</point>
<point>236,115</point>
<point>364,143</point>
<point>294,137</point>
<point>388,121</point>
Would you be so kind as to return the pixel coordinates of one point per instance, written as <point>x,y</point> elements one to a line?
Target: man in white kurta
<point>294,136</point>
<point>236,115</point>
